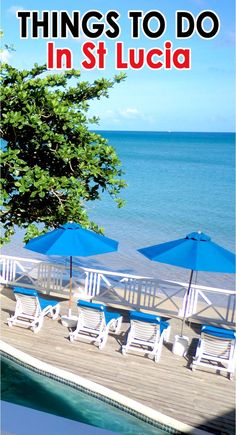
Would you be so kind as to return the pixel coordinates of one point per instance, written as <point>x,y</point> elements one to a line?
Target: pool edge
<point>113,396</point>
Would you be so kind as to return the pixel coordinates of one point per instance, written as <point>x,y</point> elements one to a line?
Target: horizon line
<point>166,131</point>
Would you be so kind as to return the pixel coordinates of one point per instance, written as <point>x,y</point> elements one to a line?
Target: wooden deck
<point>202,398</point>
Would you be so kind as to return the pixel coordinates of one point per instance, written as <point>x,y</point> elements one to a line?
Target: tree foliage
<point>51,163</point>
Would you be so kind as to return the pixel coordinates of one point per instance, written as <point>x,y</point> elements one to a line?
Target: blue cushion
<point>46,302</point>
<point>163,325</point>
<point>29,292</point>
<point>85,304</point>
<point>219,332</point>
<point>144,317</point>
<point>109,316</point>
<point>25,291</point>
<point>150,318</point>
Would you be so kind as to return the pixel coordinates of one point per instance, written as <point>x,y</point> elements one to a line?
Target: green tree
<point>51,163</point>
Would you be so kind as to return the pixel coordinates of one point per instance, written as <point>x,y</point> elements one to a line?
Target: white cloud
<point>14,9</point>
<point>119,114</point>
<point>129,112</point>
<point>4,56</point>
<point>109,113</point>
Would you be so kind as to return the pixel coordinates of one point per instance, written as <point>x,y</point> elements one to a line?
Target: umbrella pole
<point>186,302</point>
<point>70,287</point>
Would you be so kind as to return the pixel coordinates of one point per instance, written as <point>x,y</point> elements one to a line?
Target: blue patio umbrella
<point>196,252</point>
<point>71,240</point>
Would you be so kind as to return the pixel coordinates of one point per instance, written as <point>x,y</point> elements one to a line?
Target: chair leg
<point>55,312</point>
<point>102,339</point>
<point>71,336</point>
<point>158,348</point>
<point>167,335</point>
<point>157,356</point>
<point>37,325</point>
<point>129,340</point>
<point>123,350</point>
<point>74,334</point>
<point>231,370</point>
<point>10,321</point>
<point>115,325</point>
<point>195,361</point>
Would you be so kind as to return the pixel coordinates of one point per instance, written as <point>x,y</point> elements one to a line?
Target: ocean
<point>177,183</point>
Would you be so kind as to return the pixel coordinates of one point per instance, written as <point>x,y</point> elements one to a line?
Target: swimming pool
<point>23,386</point>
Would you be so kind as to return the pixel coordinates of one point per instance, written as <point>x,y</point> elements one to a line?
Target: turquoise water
<point>24,387</point>
<point>177,183</point>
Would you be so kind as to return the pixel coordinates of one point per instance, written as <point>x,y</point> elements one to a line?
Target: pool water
<point>25,387</point>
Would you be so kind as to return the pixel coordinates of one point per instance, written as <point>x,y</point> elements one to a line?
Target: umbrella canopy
<point>195,252</point>
<point>71,240</point>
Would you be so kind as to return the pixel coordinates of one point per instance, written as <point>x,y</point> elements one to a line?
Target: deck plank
<point>202,398</point>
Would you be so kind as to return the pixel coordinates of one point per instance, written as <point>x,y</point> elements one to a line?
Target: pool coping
<point>114,398</point>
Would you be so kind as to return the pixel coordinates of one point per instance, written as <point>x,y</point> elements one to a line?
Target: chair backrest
<point>217,346</point>
<point>145,326</point>
<point>92,315</point>
<point>92,319</point>
<point>27,300</point>
<point>218,342</point>
<point>145,331</point>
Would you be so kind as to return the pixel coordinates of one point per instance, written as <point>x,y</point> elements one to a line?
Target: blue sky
<point>200,99</point>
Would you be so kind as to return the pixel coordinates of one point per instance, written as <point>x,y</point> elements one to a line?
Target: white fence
<point>131,291</point>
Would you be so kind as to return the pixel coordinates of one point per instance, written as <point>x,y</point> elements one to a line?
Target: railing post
<point>86,284</point>
<point>4,270</point>
<point>139,294</point>
<point>233,309</point>
<point>190,305</point>
<point>98,285</point>
<point>196,293</point>
<point>49,274</point>
<point>181,310</point>
<point>228,308</point>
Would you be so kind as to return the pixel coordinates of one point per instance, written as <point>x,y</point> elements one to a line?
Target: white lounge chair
<point>146,335</point>
<point>95,322</point>
<point>31,309</point>
<point>216,349</point>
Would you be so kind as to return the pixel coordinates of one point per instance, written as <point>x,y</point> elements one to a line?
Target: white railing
<point>200,300</point>
<point>15,269</point>
<point>132,291</point>
<point>46,277</point>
